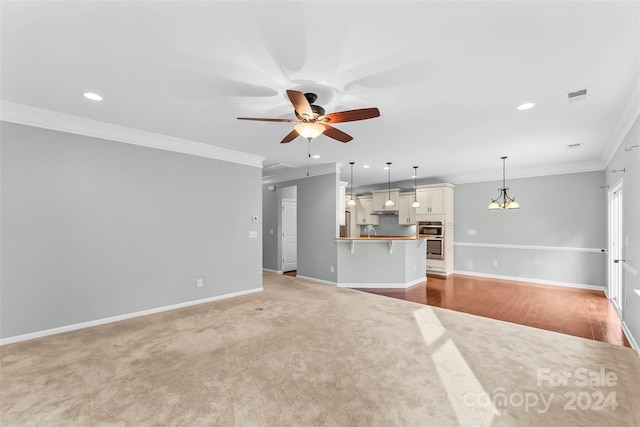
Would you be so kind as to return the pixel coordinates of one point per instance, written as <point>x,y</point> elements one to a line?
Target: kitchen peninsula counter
<point>381,238</point>
<point>381,261</point>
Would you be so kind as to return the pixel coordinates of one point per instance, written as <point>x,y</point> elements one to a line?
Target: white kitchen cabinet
<point>380,197</point>
<point>436,202</point>
<point>431,201</point>
<point>406,214</point>
<point>363,211</point>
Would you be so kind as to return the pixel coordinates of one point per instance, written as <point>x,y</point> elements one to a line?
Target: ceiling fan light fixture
<point>309,130</point>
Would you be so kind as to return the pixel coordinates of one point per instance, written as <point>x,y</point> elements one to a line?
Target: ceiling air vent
<point>576,145</point>
<point>577,95</point>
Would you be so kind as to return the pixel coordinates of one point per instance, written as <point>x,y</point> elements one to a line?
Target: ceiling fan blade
<point>353,115</point>
<point>334,133</point>
<point>290,137</point>
<point>266,120</point>
<point>300,103</point>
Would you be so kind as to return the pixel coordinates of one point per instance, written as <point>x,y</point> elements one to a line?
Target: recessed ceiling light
<point>526,106</point>
<point>92,96</point>
<point>366,166</point>
<point>316,156</point>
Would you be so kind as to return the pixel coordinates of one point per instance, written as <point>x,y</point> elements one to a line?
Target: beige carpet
<point>308,354</point>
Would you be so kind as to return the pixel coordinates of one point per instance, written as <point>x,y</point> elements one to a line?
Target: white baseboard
<point>272,271</point>
<point>74,327</point>
<point>382,285</point>
<point>313,279</point>
<point>631,339</point>
<point>529,280</point>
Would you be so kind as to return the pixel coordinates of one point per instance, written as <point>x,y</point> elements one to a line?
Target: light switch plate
<point>253,234</point>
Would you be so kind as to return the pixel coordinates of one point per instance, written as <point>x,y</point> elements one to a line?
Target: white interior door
<point>289,235</point>
<point>615,247</point>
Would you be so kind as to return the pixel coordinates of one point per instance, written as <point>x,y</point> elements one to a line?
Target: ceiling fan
<point>312,121</point>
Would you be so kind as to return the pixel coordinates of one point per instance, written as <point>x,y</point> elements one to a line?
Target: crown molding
<point>531,172</point>
<point>300,173</point>
<point>631,114</point>
<point>38,117</point>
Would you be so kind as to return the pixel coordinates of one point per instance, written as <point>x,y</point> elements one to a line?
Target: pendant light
<point>389,203</point>
<point>503,201</point>
<point>351,203</point>
<point>415,203</point>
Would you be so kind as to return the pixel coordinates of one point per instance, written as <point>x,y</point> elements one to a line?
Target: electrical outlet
<point>471,232</point>
<point>271,231</point>
<point>331,269</point>
<point>495,263</point>
<point>199,283</point>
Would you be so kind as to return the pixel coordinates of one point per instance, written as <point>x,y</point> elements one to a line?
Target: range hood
<point>386,212</point>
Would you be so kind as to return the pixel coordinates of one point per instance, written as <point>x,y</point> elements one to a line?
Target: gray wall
<point>317,206</point>
<point>93,229</point>
<point>630,161</point>
<point>568,211</point>
<point>388,226</point>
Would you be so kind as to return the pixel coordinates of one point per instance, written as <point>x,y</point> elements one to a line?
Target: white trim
<point>630,338</point>
<point>531,247</point>
<point>382,285</point>
<point>530,280</point>
<point>273,271</point>
<point>301,173</point>
<point>313,279</point>
<point>532,172</point>
<point>31,116</point>
<point>91,323</point>
<point>630,115</point>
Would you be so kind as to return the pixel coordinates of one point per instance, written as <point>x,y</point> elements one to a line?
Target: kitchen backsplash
<point>388,226</point>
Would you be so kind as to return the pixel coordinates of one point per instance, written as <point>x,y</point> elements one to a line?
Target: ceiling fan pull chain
<point>308,154</point>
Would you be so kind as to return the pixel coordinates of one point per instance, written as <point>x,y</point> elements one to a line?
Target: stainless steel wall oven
<point>434,232</point>
<point>435,248</point>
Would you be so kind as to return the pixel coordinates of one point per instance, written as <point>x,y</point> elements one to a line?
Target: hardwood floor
<point>578,312</point>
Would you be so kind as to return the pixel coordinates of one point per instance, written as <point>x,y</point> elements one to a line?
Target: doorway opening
<point>616,252</point>
<point>289,240</point>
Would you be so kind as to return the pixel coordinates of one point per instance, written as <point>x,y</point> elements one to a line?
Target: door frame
<point>284,202</point>
<point>615,242</point>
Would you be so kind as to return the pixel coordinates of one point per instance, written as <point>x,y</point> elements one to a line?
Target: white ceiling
<point>446,76</point>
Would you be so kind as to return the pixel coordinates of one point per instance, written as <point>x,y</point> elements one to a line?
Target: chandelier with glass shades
<point>503,201</point>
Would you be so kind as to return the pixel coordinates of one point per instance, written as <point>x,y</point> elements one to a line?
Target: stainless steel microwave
<point>430,229</point>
